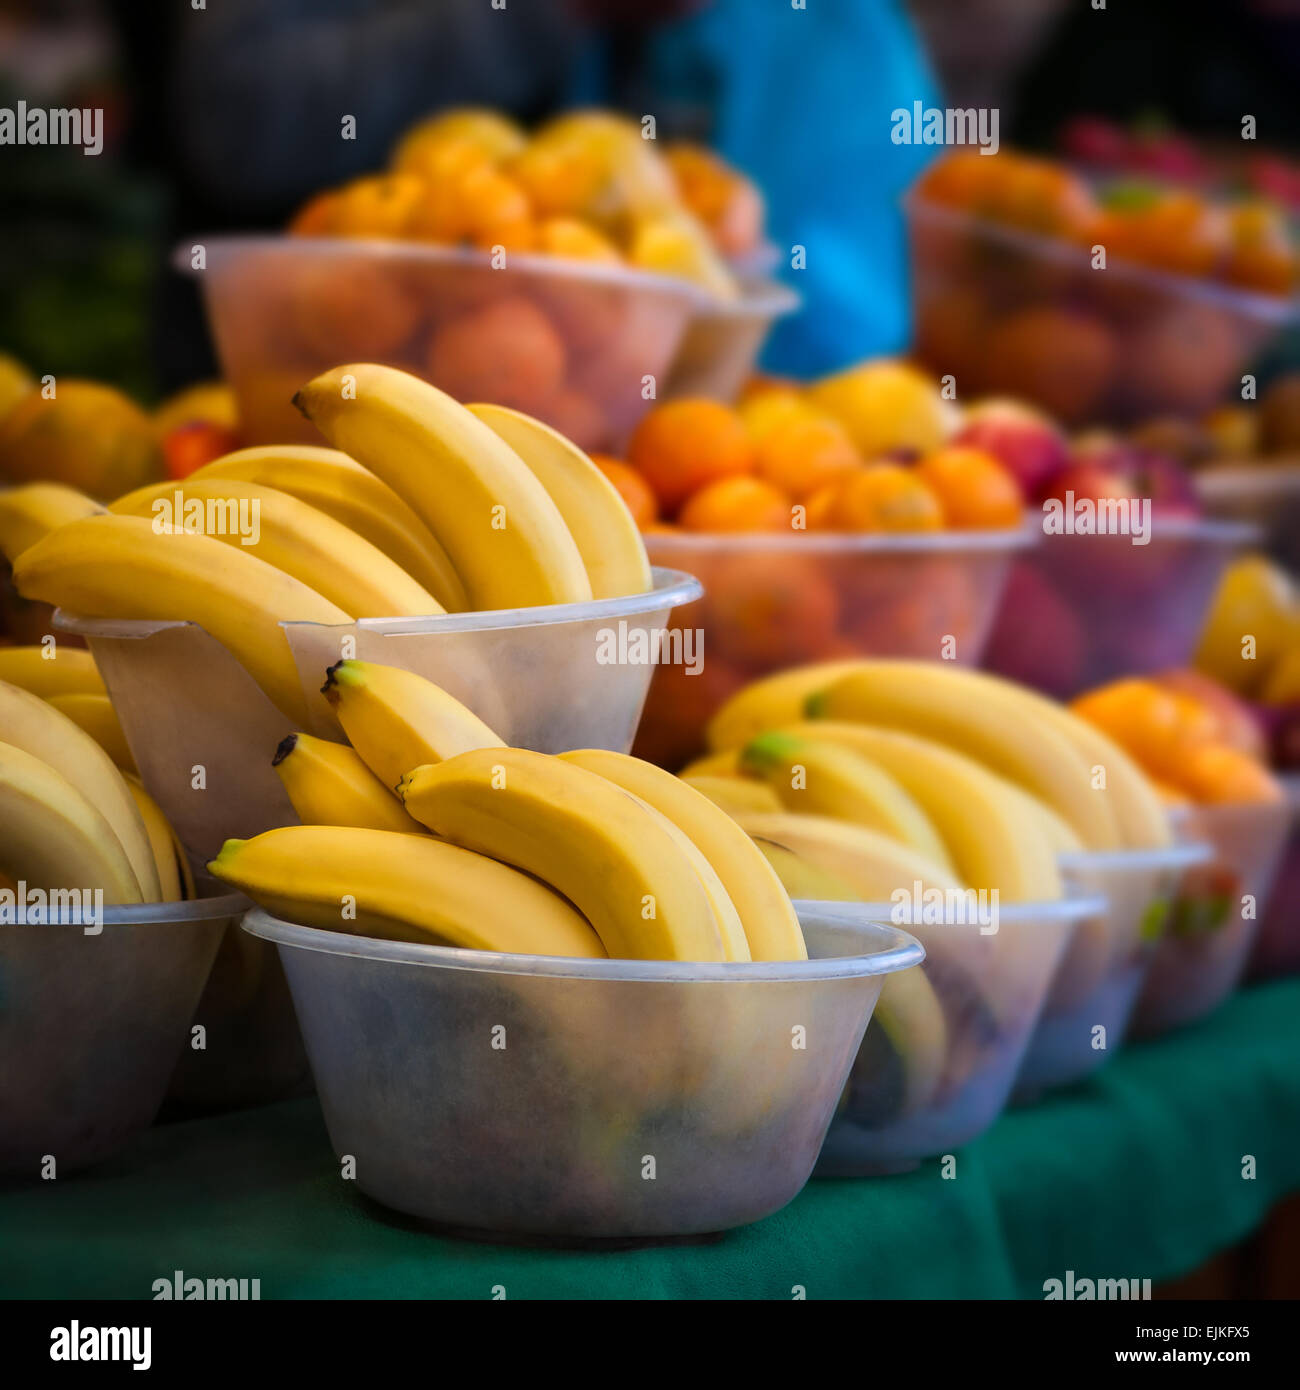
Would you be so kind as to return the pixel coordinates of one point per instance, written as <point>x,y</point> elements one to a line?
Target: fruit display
<point>1134,302</point>
<point>1207,752</point>
<point>925,787</point>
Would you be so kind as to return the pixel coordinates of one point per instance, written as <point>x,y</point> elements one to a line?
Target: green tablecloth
<point>1138,1174</point>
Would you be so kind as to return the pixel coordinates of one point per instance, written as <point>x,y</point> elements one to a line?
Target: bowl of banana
<point>473,544</point>
<point>584,1007</point>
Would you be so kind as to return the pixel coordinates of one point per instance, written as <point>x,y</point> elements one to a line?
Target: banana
<point>871,865</point>
<point>162,841</point>
<point>504,535</point>
<point>992,839</point>
<point>34,510</point>
<point>738,796</point>
<point>597,517</point>
<point>974,713</point>
<point>95,715</point>
<point>338,486</point>
<point>762,904</point>
<point>120,567</point>
<point>725,764</point>
<point>824,779</point>
<point>770,702</point>
<point>801,878</point>
<point>294,537</point>
<point>591,841</point>
<point>404,888</point>
<point>37,727</point>
<point>1060,833</point>
<point>52,837</point>
<point>328,784</point>
<point>397,720</point>
<point>53,669</point>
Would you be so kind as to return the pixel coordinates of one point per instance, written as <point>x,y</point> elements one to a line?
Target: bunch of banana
<point>68,817</point>
<point>435,508</point>
<point>650,867</point>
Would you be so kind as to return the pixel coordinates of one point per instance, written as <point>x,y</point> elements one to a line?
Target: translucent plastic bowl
<point>1267,496</point>
<point>568,341</point>
<point>620,1098</point>
<point>1011,313</point>
<point>772,601</point>
<point>1096,986</point>
<point>1203,954</point>
<point>537,675</point>
<point>1277,948</point>
<point>929,1088</point>
<point>718,353</point>
<point>1078,611</point>
<point>91,1027</point>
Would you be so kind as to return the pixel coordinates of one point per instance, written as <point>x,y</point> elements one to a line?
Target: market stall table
<point>1138,1174</point>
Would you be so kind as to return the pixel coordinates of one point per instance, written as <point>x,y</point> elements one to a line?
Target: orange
<point>478,206</point>
<point>575,241</point>
<point>1160,728</point>
<point>886,497</point>
<point>760,383</point>
<point>632,488</point>
<point>680,705</point>
<point>683,445</point>
<point>378,206</point>
<point>506,352</point>
<point>1261,257</point>
<point>885,405</point>
<point>1215,774</point>
<point>318,216</point>
<point>803,453</point>
<point>736,504</point>
<point>728,204</point>
<point>457,137</point>
<point>357,310</point>
<point>819,509</point>
<point>974,489</point>
<point>191,445</point>
<point>1172,231</point>
<point>769,609</point>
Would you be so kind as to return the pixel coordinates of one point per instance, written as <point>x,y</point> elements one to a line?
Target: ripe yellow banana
<point>404,888</point>
<point>871,864</point>
<point>738,796</point>
<point>162,842</point>
<point>597,517</point>
<point>601,848</point>
<point>762,904</point>
<point>291,535</point>
<point>992,839</point>
<point>801,878</point>
<point>328,784</point>
<point>504,535</point>
<point>120,567</point>
<point>52,837</point>
<point>37,727</point>
<point>963,710</point>
<point>340,487</point>
<point>724,764</point>
<point>397,720</point>
<point>770,702</point>
<point>817,778</point>
<point>95,715</point>
<point>34,510</point>
<point>53,668</point>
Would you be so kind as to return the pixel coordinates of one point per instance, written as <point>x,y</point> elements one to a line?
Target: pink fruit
<point>1037,638</point>
<point>1023,440</point>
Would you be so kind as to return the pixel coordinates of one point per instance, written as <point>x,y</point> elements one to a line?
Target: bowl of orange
<point>830,520</point>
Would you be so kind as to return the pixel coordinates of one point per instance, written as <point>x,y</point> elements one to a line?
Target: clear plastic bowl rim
<point>140,914</point>
<point>1228,483</point>
<point>671,589</point>
<point>1184,855</point>
<point>896,951</point>
<point>1067,908</point>
<point>852,543</point>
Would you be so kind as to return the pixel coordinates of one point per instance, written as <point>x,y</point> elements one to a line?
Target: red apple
<point>1025,441</point>
<point>1095,140</point>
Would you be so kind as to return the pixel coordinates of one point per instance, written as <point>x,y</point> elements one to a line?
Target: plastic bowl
<point>1201,958</point>
<point>1277,948</point>
<point>990,989</point>
<point>507,1095</point>
<point>717,355</point>
<point>91,1027</point>
<point>569,341</point>
<point>1078,611</point>
<point>1267,495</point>
<point>1009,312</point>
<point>538,676</point>
<point>1096,986</point>
<point>772,601</point>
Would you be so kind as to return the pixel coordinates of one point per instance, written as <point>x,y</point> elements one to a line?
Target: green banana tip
<point>815,705</point>
<point>764,749</point>
<point>224,854</point>
<point>284,748</point>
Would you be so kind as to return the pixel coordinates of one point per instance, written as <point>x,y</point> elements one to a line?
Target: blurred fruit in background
<point>885,405</point>
<point>15,383</point>
<point>727,203</point>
